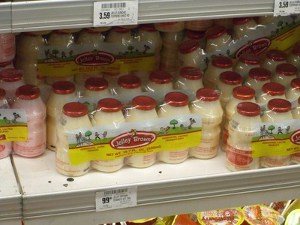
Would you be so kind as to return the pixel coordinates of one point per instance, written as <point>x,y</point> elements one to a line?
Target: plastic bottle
<point>148,34</point>
<point>28,98</point>
<point>284,74</point>
<point>175,104</point>
<point>198,25</point>
<point>245,63</point>
<point>279,110</point>
<point>273,58</point>
<point>293,93</point>
<point>217,37</point>
<point>216,66</point>
<point>160,81</point>
<point>241,130</point>
<point>224,22</point>
<point>196,35</point>
<point>208,106</point>
<point>74,116</point>
<point>190,78</point>
<point>91,36</point>
<point>257,78</point>
<point>129,84</point>
<point>62,92</point>
<point>294,56</point>
<point>142,108</point>
<point>269,91</point>
<point>96,88</point>
<point>7,47</point>
<point>109,112</point>
<point>243,26</point>
<point>121,38</point>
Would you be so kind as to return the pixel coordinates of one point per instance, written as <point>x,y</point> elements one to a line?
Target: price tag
<point>116,198</point>
<point>115,13</point>
<point>286,7</point>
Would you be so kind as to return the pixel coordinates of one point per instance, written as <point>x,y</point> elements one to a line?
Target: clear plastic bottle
<point>273,58</point>
<point>227,82</point>
<point>74,116</point>
<point>279,110</point>
<point>148,34</point>
<point>242,128</point>
<point>245,63</point>
<point>190,78</point>
<point>175,104</point>
<point>62,93</point>
<point>142,108</point>
<point>217,37</point>
<point>109,112</point>
<point>198,25</point>
<point>5,147</point>
<point>293,93</point>
<point>216,66</point>
<point>284,74</point>
<point>208,106</point>
<point>7,47</point>
<point>28,98</point>
<point>257,78</point>
<point>269,91</point>
<point>160,81</point>
<point>242,26</point>
<point>294,56</point>
<point>96,88</point>
<point>129,84</point>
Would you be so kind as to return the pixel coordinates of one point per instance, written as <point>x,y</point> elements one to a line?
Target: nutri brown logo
<point>255,47</point>
<point>295,138</point>
<point>94,59</point>
<point>133,139</point>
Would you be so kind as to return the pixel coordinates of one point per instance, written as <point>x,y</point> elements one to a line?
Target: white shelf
<point>54,14</point>
<point>5,17</point>
<point>10,197</point>
<point>162,190</point>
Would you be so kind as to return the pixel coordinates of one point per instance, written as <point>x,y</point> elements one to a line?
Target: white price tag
<point>286,7</point>
<point>115,13</point>
<point>116,198</point>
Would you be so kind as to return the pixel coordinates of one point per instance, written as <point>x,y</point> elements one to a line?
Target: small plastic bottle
<point>242,26</point>
<point>74,116</point>
<point>196,35</point>
<point>5,147</point>
<point>148,34</point>
<point>241,130</point>
<point>294,56</point>
<point>279,110</point>
<point>245,63</point>
<point>273,58</point>
<point>284,74</point>
<point>91,36</point>
<point>160,81</point>
<point>28,98</point>
<point>217,65</point>
<point>295,158</point>
<point>208,106</point>
<point>217,37</point>
<point>7,47</point>
<point>62,93</point>
<point>269,91</point>
<point>120,37</point>
<point>190,78</point>
<point>257,78</point>
<point>129,84</point>
<point>175,104</point>
<point>96,88</point>
<point>227,82</point>
<point>172,40</point>
<point>198,25</point>
<point>169,26</point>
<point>109,112</point>
<point>142,108</point>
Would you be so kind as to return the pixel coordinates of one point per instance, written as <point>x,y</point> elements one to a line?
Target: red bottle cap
<point>196,35</point>
<point>188,46</point>
<point>148,27</point>
<point>215,32</point>
<point>109,105</point>
<point>259,73</point>
<point>75,109</point>
<point>207,94</point>
<point>273,89</point>
<point>249,109</point>
<point>176,99</point>
<point>279,105</point>
<point>295,83</point>
<point>11,75</point>
<point>143,102</point>
<point>191,73</point>
<point>243,93</point>
<point>241,20</point>
<point>96,84</point>
<point>231,78</point>
<point>129,81</point>
<point>160,77</point>
<point>286,69</point>
<point>221,61</point>
<point>63,87</point>
<point>28,92</point>
<point>249,59</point>
<point>120,29</point>
<point>296,50</point>
<point>276,55</point>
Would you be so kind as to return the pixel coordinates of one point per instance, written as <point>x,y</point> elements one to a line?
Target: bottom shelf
<point>195,185</point>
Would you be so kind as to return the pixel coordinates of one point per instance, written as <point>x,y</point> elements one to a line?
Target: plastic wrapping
<point>189,78</point>
<point>285,73</point>
<point>270,91</point>
<point>257,77</point>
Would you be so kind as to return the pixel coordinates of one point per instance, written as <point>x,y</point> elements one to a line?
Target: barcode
<point>294,3</point>
<point>113,5</point>
<point>117,191</point>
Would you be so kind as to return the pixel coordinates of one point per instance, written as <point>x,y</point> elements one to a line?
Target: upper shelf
<point>54,14</point>
<point>5,17</point>
<point>162,189</point>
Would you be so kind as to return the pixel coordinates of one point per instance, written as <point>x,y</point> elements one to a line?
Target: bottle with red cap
<point>241,130</point>
<point>148,34</point>
<point>62,93</point>
<point>228,80</point>
<point>28,98</point>
<point>257,77</point>
<point>129,84</point>
<point>245,63</point>
<point>175,104</point>
<point>294,56</point>
<point>284,74</point>
<point>160,81</point>
<point>278,111</point>
<point>195,36</point>
<point>96,88</point>
<point>242,26</point>
<point>92,36</point>
<point>74,116</point>
<point>216,66</point>
<point>269,91</point>
<point>121,38</point>
<point>293,93</point>
<point>5,147</point>
<point>7,47</point>
<point>10,80</point>
<point>142,108</point>
<point>190,54</point>
<point>295,158</point>
<point>239,94</point>
<point>190,78</point>
<point>208,106</point>
<point>170,27</point>
<point>273,58</point>
<point>224,22</point>
<point>109,112</point>
<point>198,25</point>
<point>216,38</point>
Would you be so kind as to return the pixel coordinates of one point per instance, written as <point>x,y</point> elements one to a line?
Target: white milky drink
<point>96,88</point>
<point>285,73</point>
<point>270,91</point>
<point>272,59</point>
<point>129,85</point>
<point>245,63</point>
<point>160,81</point>
<point>217,37</point>
<point>278,110</point>
<point>75,116</point>
<point>293,93</point>
<point>294,56</point>
<point>190,78</point>
<point>109,111</point>
<point>175,104</point>
<point>142,109</point>
<point>257,78</point>
<point>242,26</point>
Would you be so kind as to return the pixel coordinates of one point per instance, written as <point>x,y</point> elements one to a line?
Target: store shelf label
<point>115,13</point>
<point>286,7</point>
<point>116,198</point>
